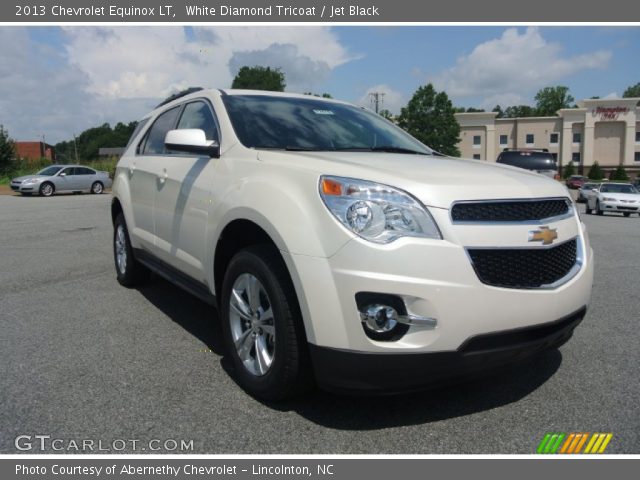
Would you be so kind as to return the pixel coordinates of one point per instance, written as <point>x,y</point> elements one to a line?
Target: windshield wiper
<point>289,148</point>
<point>382,148</point>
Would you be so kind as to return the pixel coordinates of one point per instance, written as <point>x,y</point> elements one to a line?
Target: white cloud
<point>392,99</point>
<point>111,74</point>
<point>516,64</point>
<point>611,96</point>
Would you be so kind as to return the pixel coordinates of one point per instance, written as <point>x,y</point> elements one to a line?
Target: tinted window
<point>154,143</point>
<point>262,121</point>
<point>84,171</point>
<point>49,171</point>
<point>528,160</point>
<point>69,171</point>
<point>198,115</point>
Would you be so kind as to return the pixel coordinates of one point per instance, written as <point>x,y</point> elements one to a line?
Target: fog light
<point>379,318</point>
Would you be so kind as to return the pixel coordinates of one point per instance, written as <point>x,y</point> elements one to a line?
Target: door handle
<point>132,169</point>
<point>163,178</point>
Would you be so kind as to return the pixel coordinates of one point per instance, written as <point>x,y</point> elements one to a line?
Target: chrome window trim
<point>571,212</point>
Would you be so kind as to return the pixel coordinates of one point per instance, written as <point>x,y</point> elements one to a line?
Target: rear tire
<point>262,326</point>
<point>129,271</point>
<point>598,211</point>
<point>587,210</point>
<point>626,214</point>
<point>97,188</point>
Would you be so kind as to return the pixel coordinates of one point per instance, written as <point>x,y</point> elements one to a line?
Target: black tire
<point>97,188</point>
<point>587,210</point>
<point>289,373</point>
<point>626,214</point>
<point>131,273</point>
<point>598,211</point>
<point>25,194</point>
<point>47,189</point>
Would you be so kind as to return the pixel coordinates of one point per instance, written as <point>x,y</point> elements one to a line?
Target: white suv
<point>339,250</point>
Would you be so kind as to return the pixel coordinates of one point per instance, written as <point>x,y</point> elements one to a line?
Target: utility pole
<point>75,146</point>
<point>376,100</point>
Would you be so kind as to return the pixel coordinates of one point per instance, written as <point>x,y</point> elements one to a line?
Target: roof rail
<point>546,150</point>
<point>178,95</point>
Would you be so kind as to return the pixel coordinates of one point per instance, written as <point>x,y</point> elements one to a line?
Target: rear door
<point>184,194</point>
<point>144,174</point>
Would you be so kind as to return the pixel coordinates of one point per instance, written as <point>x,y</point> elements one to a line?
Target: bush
<point>619,174</point>
<point>596,173</point>
<point>568,170</point>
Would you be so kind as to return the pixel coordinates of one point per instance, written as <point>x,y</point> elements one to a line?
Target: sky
<point>56,82</point>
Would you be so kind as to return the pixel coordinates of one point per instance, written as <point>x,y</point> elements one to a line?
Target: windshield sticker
<point>323,112</point>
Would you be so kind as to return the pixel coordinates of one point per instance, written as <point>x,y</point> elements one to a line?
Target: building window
<point>504,139</point>
<point>637,157</point>
<point>529,139</point>
<point>476,156</point>
<point>577,137</point>
<point>575,157</point>
<point>477,140</point>
<point>637,137</point>
<point>553,139</point>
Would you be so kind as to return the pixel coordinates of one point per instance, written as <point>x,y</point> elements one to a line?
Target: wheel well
<point>116,209</point>
<point>237,235</point>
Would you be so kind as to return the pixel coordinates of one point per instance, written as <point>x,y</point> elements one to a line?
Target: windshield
<point>288,123</point>
<point>618,189</point>
<point>589,186</point>
<point>49,171</point>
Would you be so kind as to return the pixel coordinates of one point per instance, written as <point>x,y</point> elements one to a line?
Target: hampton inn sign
<point>606,131</point>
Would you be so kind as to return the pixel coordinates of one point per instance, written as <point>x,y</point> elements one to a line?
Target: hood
<point>630,197</point>
<point>436,181</point>
<point>25,177</point>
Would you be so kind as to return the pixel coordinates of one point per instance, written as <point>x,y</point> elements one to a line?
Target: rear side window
<point>198,115</point>
<point>154,142</point>
<point>529,160</point>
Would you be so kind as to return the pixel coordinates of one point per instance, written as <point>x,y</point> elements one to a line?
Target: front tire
<point>626,214</point>
<point>129,271</point>
<point>46,189</point>
<point>262,326</point>
<point>97,188</point>
<point>598,211</point>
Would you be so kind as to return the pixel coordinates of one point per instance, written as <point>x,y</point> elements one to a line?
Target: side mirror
<point>63,174</point>
<point>191,140</point>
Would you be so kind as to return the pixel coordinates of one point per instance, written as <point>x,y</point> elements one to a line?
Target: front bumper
<point>26,188</point>
<point>344,371</point>
<point>620,207</point>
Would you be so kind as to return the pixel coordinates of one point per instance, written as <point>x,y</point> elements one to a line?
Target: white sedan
<point>614,197</point>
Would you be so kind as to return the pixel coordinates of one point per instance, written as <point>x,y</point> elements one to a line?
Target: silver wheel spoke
<point>253,293</point>
<point>244,344</point>
<point>268,329</point>
<point>263,359</point>
<point>239,305</point>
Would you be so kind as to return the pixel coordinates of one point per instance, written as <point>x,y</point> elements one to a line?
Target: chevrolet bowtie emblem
<point>545,235</point>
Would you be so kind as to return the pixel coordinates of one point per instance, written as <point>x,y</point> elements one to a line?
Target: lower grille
<point>524,267</point>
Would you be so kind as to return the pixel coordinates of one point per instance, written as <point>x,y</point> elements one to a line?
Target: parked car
<point>614,197</point>
<point>535,160</point>
<point>585,191</point>
<point>62,179</point>
<point>339,250</point>
<point>576,181</point>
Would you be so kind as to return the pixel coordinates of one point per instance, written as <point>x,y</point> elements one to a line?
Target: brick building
<point>35,151</point>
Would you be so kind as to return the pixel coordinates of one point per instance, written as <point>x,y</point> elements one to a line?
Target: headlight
<point>30,180</point>
<point>378,213</point>
<point>608,199</point>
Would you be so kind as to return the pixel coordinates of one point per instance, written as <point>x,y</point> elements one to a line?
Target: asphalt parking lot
<point>83,358</point>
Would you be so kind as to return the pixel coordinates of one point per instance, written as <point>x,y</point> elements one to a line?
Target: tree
<point>595,172</point>
<point>620,174</point>
<point>429,116</point>
<point>324,95</point>
<point>499,111</point>
<point>7,151</point>
<point>386,114</point>
<point>260,78</point>
<point>91,140</point>
<point>519,111</point>
<point>568,170</point>
<point>551,99</point>
<point>632,91</point>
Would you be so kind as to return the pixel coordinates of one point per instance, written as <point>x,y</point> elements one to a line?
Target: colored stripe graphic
<point>572,443</point>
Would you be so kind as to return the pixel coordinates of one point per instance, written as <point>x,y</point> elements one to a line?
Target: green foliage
<point>7,151</point>
<point>324,95</point>
<point>499,111</point>
<point>386,114</point>
<point>632,91</point>
<point>595,172</point>
<point>568,170</point>
<point>551,99</point>
<point>619,174</point>
<point>260,78</point>
<point>519,111</point>
<point>429,116</point>
<point>91,140</point>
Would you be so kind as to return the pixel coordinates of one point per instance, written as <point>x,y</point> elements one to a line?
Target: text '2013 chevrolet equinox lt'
<point>339,250</point>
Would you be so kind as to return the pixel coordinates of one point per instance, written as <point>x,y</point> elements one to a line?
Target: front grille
<point>509,211</point>
<point>524,267</point>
